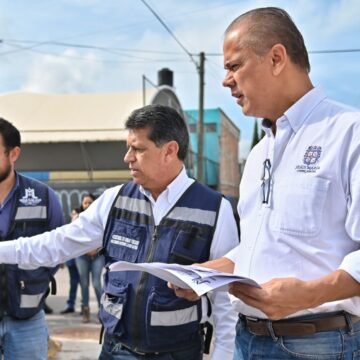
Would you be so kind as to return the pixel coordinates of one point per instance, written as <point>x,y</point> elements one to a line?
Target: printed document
<point>198,278</point>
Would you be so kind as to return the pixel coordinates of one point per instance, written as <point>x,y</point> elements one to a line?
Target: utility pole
<point>200,124</point>
<point>144,89</point>
<point>200,69</point>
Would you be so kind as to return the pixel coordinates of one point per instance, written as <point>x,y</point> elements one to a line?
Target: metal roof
<point>44,118</point>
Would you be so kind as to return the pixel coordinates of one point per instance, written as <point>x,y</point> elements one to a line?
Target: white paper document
<point>198,278</point>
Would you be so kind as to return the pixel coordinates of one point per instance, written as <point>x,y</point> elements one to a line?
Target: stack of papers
<point>199,279</point>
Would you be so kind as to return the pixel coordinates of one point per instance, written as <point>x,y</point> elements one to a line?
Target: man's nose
<point>128,156</point>
<point>228,80</point>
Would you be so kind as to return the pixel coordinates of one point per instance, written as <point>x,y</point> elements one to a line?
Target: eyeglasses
<point>266,181</point>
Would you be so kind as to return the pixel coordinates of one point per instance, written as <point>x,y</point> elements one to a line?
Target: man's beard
<point>5,174</point>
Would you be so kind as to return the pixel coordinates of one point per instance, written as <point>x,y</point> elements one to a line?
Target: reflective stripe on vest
<point>30,212</point>
<point>174,318</point>
<point>199,216</point>
<point>30,301</point>
<point>133,205</point>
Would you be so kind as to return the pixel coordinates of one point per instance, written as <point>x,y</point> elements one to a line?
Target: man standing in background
<point>27,207</point>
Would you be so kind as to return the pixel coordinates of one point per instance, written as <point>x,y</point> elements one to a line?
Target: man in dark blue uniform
<point>27,207</point>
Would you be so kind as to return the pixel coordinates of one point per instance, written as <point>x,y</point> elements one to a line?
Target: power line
<point>19,48</point>
<point>85,46</point>
<point>119,50</point>
<point>170,32</point>
<point>140,60</point>
<point>333,51</point>
<point>329,51</point>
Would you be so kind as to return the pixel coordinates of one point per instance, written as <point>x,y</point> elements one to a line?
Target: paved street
<point>78,341</point>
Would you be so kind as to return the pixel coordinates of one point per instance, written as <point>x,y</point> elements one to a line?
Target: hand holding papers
<point>198,278</point>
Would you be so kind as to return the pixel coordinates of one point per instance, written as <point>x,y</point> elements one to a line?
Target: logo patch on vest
<point>124,241</point>
<point>311,157</point>
<point>30,199</point>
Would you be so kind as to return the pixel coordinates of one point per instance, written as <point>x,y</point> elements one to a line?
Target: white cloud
<point>63,74</point>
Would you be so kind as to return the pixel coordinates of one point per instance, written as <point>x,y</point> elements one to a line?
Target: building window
<point>210,127</point>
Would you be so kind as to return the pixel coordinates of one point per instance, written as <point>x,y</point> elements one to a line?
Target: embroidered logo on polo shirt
<point>311,157</point>
<point>30,199</point>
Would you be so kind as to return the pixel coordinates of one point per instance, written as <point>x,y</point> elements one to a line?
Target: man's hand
<point>188,294</point>
<point>221,264</point>
<point>279,298</point>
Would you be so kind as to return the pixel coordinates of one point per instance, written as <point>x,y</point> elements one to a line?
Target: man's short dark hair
<point>165,124</point>
<point>10,134</point>
<point>269,26</point>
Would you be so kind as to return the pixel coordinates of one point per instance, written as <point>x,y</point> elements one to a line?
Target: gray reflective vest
<point>138,308</point>
<point>23,292</point>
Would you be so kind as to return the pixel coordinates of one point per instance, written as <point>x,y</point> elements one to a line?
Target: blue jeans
<point>113,350</point>
<point>86,264</point>
<point>74,282</point>
<point>341,344</point>
<point>24,339</point>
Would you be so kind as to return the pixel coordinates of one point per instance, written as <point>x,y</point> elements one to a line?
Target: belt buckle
<point>136,352</point>
<point>252,319</point>
<point>132,350</point>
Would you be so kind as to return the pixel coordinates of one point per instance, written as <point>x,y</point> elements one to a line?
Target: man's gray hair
<point>269,26</point>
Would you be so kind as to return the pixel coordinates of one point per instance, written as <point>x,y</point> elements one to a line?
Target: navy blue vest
<point>138,308</point>
<point>26,290</point>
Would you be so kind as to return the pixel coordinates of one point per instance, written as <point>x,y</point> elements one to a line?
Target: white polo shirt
<point>311,223</point>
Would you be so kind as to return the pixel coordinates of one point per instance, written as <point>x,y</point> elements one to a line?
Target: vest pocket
<point>28,294</point>
<point>189,247</point>
<point>113,302</point>
<point>170,320</point>
<point>125,241</point>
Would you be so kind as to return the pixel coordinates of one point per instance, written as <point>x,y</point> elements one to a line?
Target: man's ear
<point>172,149</point>
<point>14,153</point>
<point>279,58</point>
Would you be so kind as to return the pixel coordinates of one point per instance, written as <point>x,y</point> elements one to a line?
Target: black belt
<point>138,352</point>
<point>298,327</point>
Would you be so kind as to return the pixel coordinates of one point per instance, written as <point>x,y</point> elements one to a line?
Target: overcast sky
<point>124,41</point>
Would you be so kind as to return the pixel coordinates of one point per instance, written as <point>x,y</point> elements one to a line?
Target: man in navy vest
<point>27,207</point>
<point>160,216</point>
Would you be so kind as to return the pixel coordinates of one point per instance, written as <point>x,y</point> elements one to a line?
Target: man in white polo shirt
<point>299,201</point>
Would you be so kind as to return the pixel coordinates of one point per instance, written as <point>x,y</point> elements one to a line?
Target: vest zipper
<point>152,245</point>
<point>140,290</point>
